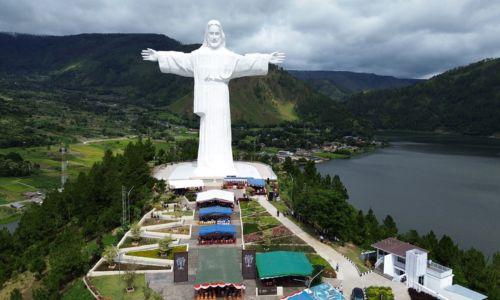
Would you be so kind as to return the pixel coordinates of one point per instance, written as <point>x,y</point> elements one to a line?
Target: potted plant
<point>109,254</point>
<point>164,246</point>
<point>129,278</point>
<point>135,234</point>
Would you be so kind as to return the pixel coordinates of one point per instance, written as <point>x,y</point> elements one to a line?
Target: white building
<point>406,262</point>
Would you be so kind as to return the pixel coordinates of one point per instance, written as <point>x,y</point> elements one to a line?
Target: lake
<point>452,188</point>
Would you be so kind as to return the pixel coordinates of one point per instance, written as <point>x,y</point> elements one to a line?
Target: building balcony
<point>437,270</point>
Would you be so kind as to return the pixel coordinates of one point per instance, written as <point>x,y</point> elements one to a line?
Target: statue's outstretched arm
<point>174,62</point>
<point>149,55</point>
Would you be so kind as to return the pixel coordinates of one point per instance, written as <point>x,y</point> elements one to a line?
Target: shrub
<point>379,292</point>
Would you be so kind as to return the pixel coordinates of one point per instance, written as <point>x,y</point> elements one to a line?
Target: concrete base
<point>185,170</point>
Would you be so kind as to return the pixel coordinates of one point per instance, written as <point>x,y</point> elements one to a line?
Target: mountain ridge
<point>338,84</point>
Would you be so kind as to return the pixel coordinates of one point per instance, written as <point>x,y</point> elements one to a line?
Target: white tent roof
<point>184,184</point>
<point>215,194</point>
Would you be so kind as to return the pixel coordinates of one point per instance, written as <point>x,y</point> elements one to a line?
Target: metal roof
<point>395,246</point>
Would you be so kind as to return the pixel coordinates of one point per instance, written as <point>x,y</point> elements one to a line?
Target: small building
<point>17,205</point>
<point>406,262</point>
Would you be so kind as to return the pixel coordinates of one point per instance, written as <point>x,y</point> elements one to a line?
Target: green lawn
<point>8,214</point>
<point>353,253</point>
<point>330,155</point>
<point>113,287</point>
<point>77,291</point>
<point>80,157</point>
<point>155,253</point>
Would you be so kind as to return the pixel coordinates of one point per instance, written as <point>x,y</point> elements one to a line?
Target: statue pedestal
<point>186,170</point>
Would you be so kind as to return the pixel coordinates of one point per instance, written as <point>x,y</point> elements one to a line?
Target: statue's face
<point>214,36</point>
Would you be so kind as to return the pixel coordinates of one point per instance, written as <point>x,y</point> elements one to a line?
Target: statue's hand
<point>149,54</point>
<point>277,57</point>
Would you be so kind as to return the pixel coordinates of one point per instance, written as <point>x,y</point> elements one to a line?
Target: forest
<point>60,239</point>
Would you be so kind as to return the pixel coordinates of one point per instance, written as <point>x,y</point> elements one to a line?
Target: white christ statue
<point>212,66</point>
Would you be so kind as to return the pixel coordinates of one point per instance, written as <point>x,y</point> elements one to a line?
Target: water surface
<point>450,188</point>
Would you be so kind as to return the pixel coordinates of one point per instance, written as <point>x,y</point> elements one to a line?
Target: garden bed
<point>113,287</point>
<point>152,221</point>
<point>316,259</point>
<point>266,248</point>
<point>155,253</point>
<point>131,267</point>
<point>178,213</point>
<point>173,230</point>
<point>143,241</point>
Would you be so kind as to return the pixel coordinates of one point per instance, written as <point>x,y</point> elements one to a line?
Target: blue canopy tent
<point>255,182</point>
<point>215,212</point>
<point>217,234</point>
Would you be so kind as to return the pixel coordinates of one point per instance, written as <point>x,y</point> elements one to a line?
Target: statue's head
<point>214,35</point>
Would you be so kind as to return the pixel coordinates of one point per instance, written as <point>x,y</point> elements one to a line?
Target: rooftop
<point>465,292</point>
<point>395,246</point>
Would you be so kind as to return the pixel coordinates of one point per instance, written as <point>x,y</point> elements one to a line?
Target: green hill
<point>464,100</point>
<point>106,70</point>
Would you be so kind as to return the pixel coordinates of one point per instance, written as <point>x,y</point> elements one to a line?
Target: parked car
<point>357,294</point>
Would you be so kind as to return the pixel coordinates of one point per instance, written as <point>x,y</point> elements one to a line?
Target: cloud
<point>412,38</point>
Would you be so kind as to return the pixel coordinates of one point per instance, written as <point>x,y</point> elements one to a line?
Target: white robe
<point>212,70</point>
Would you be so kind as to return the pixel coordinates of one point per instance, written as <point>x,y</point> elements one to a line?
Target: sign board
<point>248,268</point>
<point>181,267</point>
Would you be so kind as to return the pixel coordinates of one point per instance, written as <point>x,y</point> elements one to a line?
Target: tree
<point>16,295</point>
<point>110,253</point>
<point>389,227</point>
<point>164,245</point>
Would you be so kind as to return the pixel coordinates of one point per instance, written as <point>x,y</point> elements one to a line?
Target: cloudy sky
<point>406,38</point>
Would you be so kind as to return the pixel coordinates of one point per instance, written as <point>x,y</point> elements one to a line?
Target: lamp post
<point>128,202</point>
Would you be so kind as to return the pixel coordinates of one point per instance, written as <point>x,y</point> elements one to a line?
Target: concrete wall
<point>389,265</point>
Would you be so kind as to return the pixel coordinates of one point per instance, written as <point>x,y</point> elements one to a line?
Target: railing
<point>437,267</point>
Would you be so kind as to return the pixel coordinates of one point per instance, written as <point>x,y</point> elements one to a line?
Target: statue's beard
<point>214,45</point>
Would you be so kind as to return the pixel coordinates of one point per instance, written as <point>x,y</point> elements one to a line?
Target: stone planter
<point>130,289</point>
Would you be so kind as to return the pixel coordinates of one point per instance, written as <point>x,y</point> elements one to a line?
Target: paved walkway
<point>347,272</point>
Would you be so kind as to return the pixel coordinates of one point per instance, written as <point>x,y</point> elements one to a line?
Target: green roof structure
<point>219,265</point>
<point>282,263</point>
